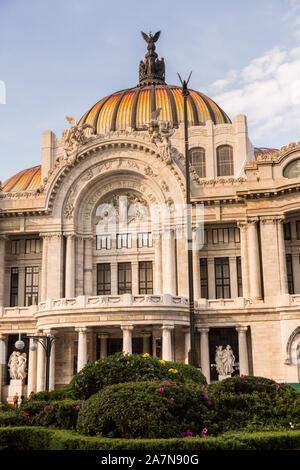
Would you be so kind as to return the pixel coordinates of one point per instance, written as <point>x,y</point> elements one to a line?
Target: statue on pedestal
<point>224,361</point>
<point>17,366</point>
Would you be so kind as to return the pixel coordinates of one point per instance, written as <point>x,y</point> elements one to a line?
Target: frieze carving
<point>160,133</point>
<point>74,137</point>
<point>68,212</point>
<point>271,219</point>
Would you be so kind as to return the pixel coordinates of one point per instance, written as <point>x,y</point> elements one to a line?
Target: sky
<point>59,57</point>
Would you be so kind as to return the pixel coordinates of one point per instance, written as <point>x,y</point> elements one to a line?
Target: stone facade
<point>246,273</point>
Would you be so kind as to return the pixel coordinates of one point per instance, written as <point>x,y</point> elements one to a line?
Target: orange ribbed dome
<point>26,180</point>
<point>133,108</point>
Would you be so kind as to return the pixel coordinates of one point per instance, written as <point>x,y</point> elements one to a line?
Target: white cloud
<point>267,90</point>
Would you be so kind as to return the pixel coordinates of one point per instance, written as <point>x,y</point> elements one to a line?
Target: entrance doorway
<point>222,337</point>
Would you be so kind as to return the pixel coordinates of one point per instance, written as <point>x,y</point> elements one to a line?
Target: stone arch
<point>293,349</point>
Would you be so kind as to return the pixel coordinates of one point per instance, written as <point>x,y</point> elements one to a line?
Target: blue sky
<point>59,57</point>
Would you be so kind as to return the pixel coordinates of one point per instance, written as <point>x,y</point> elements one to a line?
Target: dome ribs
<point>116,109</point>
<point>153,99</point>
<point>134,108</point>
<point>98,112</point>
<point>210,110</point>
<point>173,107</point>
<point>195,113</point>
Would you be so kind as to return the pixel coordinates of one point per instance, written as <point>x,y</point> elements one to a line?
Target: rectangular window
<point>287,230</point>
<point>145,277</point>
<point>298,229</point>
<point>237,235</point>
<point>14,286</point>
<point>290,277</point>
<point>239,276</point>
<point>31,285</point>
<point>103,242</point>
<point>124,278</point>
<point>15,247</point>
<point>222,278</point>
<point>124,240</point>
<point>203,278</point>
<point>32,245</point>
<point>144,240</point>
<point>103,279</point>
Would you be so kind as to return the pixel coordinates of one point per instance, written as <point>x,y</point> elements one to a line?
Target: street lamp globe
<point>33,346</point>
<point>19,344</point>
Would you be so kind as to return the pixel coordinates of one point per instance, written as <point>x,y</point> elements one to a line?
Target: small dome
<point>133,108</point>
<point>25,180</point>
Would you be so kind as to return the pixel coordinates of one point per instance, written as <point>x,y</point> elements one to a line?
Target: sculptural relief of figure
<point>224,360</point>
<point>17,365</point>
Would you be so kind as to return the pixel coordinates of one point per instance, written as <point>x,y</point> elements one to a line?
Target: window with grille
<point>287,231</point>
<point>144,240</point>
<point>124,278</point>
<point>15,247</point>
<point>298,229</point>
<point>225,160</point>
<point>290,276</point>
<point>203,278</point>
<point>222,278</point>
<point>145,277</point>
<point>197,159</point>
<point>239,276</point>
<point>220,235</point>
<point>103,279</point>
<point>103,242</point>
<point>236,235</point>
<point>124,240</point>
<point>31,285</point>
<point>32,245</point>
<point>14,286</point>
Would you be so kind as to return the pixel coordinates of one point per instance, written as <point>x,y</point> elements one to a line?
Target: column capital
<point>145,334</point>
<point>127,327</point>
<point>81,329</point>
<point>168,327</point>
<point>241,329</point>
<point>272,219</point>
<point>103,335</point>
<point>2,337</point>
<point>252,220</point>
<point>50,332</point>
<point>203,330</point>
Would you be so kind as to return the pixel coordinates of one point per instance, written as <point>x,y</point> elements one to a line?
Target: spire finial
<point>152,69</point>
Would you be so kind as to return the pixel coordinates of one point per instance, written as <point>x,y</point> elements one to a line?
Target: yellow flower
<point>131,365</point>
<point>146,355</point>
<point>128,362</point>
<point>174,371</point>
<point>162,362</point>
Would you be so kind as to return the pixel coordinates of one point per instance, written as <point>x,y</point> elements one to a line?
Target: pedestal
<point>15,387</point>
<point>222,377</point>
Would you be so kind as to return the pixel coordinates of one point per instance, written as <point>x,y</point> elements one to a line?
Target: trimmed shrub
<point>61,414</point>
<point>120,368</point>
<point>13,417</point>
<point>254,403</point>
<point>53,395</point>
<point>146,409</point>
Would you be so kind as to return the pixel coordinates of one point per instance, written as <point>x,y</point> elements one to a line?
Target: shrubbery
<point>53,395</point>
<point>145,409</point>
<point>121,368</point>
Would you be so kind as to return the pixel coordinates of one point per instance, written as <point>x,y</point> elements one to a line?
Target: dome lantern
<point>151,69</point>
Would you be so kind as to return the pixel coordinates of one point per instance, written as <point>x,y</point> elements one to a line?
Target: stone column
<point>243,226</point>
<point>44,267</point>
<point>41,368</point>
<point>167,342</point>
<point>233,277</point>
<point>282,257</point>
<point>127,338</point>
<point>204,351</point>
<point>32,369</point>
<point>146,343</point>
<point>157,274</point>
<point>103,344</point>
<point>79,257</point>
<point>296,272</point>
<point>54,266</point>
<point>196,269</point>
<point>211,278</point>
<point>253,259</point>
<point>21,289</point>
<point>2,271</point>
<point>187,344</point>
<point>70,266</point>
<point>114,278</point>
<point>243,350</point>
<point>82,348</point>
<point>3,360</point>
<point>168,256</point>
<point>88,266</point>
<point>135,277</point>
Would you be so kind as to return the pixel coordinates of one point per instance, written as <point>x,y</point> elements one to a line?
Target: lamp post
<point>192,355</point>
<point>46,342</point>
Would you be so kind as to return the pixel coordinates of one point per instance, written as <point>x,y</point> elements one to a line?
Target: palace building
<point>65,272</point>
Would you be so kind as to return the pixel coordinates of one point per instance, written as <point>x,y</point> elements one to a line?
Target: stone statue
<point>224,361</point>
<point>17,365</point>
<point>75,136</point>
<point>160,133</point>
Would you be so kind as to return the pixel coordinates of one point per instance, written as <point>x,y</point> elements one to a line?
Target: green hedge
<point>31,438</point>
<point>121,368</point>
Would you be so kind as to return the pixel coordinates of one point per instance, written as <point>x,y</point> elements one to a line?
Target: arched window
<point>197,156</point>
<point>292,170</point>
<point>225,160</point>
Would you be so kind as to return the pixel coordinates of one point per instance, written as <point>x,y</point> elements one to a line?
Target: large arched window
<point>292,170</point>
<point>197,155</point>
<point>224,160</point>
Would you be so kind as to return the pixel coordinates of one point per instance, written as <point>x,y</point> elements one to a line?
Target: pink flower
<point>239,393</point>
<point>161,389</point>
<point>210,402</point>
<point>26,413</point>
<point>204,432</point>
<point>277,386</point>
<point>202,386</point>
<point>187,433</point>
<point>242,375</point>
<point>172,400</point>
<point>166,382</point>
<point>206,395</point>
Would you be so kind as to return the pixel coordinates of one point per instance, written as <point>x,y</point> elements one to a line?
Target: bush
<point>61,414</point>
<point>254,403</point>
<point>30,438</point>
<point>120,368</point>
<point>145,409</point>
<point>13,417</point>
<point>53,395</point>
